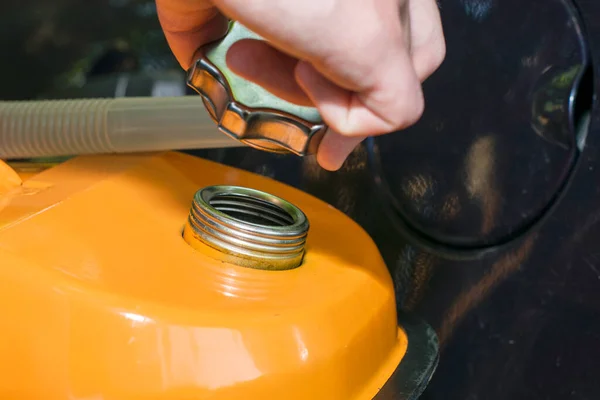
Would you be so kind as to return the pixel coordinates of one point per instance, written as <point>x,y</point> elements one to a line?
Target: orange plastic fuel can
<point>165,276</point>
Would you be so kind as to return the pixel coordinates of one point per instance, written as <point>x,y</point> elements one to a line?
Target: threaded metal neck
<point>253,228</point>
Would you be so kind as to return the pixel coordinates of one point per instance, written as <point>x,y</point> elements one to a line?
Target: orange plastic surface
<point>101,298</point>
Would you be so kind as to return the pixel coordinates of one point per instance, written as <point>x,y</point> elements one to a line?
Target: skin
<point>360,62</point>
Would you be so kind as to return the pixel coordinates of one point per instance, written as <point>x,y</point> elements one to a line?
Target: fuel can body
<point>103,298</point>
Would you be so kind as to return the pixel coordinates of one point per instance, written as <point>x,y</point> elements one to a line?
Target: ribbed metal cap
<point>245,110</point>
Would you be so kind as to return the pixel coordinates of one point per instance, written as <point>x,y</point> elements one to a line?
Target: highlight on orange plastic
<point>102,298</point>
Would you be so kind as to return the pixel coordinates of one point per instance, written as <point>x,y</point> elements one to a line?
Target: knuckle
<point>439,54</point>
<point>348,128</point>
<point>410,112</point>
<point>430,58</point>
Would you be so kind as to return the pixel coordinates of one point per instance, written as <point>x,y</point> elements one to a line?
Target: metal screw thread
<point>249,227</point>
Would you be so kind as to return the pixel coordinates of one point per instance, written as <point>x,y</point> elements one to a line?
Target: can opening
<point>248,227</point>
<point>251,210</point>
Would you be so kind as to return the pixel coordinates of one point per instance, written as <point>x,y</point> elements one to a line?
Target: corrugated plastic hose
<point>48,128</point>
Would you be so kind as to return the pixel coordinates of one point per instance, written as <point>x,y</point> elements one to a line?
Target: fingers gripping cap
<point>246,111</point>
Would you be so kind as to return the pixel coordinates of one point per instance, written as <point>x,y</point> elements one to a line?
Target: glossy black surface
<point>521,321</point>
<point>497,141</point>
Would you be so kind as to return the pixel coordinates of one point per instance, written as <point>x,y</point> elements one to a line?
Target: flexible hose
<point>48,128</point>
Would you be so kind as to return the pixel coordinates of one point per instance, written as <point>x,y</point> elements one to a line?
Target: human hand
<point>360,62</point>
